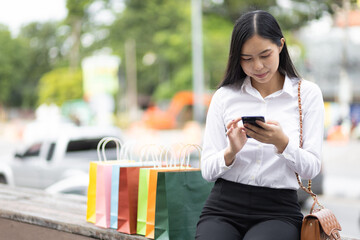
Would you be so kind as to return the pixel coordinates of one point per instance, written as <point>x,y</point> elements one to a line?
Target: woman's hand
<point>237,139</point>
<point>271,132</point>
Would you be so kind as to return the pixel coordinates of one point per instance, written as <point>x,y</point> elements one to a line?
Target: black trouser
<point>236,211</point>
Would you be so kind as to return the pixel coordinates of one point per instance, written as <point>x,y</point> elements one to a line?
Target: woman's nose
<point>258,65</point>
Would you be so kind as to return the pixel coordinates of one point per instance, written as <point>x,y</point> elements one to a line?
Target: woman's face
<point>260,58</point>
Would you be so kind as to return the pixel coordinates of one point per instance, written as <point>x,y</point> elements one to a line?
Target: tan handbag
<point>321,223</point>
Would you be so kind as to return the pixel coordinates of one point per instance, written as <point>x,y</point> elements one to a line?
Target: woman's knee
<point>216,229</point>
<point>273,230</point>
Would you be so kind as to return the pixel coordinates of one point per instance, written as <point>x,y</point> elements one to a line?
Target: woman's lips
<point>261,75</point>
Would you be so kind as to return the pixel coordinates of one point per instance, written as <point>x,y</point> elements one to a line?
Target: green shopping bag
<point>142,200</point>
<point>180,197</point>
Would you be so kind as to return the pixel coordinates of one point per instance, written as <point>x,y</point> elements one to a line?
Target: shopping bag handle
<point>172,150</point>
<point>98,148</point>
<point>186,151</point>
<point>126,150</point>
<point>101,145</point>
<point>146,150</point>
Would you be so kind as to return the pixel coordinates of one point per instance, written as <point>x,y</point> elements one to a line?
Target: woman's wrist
<point>282,144</point>
<point>229,156</point>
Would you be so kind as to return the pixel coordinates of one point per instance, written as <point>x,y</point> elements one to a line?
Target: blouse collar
<point>288,87</point>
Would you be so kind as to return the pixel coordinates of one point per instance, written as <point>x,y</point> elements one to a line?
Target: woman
<point>254,196</point>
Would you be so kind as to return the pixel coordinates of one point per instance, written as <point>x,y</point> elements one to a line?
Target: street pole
<point>345,89</point>
<point>131,79</point>
<point>197,60</point>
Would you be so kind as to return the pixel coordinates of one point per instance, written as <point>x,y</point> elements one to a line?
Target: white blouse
<point>257,163</point>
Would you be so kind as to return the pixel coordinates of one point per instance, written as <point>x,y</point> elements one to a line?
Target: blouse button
<point>286,155</point>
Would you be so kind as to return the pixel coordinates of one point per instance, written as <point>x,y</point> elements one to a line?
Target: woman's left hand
<point>271,133</point>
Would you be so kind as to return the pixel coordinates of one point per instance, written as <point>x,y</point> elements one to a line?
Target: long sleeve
<point>306,161</point>
<point>212,161</point>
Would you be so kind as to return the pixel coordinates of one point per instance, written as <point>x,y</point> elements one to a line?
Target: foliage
<point>44,44</point>
<point>77,15</point>
<point>232,9</point>
<point>14,61</point>
<point>217,34</point>
<point>161,30</point>
<point>59,86</point>
<point>76,8</point>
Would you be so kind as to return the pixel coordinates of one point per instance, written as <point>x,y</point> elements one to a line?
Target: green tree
<point>44,42</point>
<point>80,20</point>
<point>77,15</point>
<point>60,85</point>
<point>14,60</point>
<point>232,9</point>
<point>160,28</point>
<point>162,33</point>
<point>291,17</point>
<point>217,33</point>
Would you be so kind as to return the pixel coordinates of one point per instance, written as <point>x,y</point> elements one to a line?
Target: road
<point>341,166</point>
<point>341,163</point>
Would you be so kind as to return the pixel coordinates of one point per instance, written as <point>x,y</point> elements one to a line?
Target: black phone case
<point>251,120</point>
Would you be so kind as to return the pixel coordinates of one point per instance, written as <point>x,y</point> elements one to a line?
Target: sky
<point>15,13</point>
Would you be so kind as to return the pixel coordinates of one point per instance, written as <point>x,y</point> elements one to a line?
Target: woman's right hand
<point>237,139</point>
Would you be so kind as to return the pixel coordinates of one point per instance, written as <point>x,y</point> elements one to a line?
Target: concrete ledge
<point>25,210</point>
<point>36,215</point>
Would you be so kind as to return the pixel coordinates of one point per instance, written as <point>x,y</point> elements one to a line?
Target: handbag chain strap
<point>308,188</point>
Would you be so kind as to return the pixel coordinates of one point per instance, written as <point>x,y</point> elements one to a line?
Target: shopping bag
<point>152,194</point>
<point>128,195</point>
<point>103,191</point>
<point>126,160</point>
<point>143,190</point>
<point>93,166</point>
<point>180,196</point>
<point>103,184</point>
<point>128,199</point>
<point>91,193</point>
<point>151,204</point>
<point>144,175</point>
<point>115,176</point>
<point>152,198</point>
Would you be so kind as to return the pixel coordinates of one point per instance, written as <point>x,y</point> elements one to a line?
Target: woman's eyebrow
<point>248,55</point>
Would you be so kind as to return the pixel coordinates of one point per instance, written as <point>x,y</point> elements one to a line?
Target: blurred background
<point>145,71</point>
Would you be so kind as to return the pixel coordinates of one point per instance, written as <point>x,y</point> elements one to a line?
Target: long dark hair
<point>265,25</point>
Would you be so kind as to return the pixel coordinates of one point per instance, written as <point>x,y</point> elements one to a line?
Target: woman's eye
<point>246,59</point>
<point>265,56</point>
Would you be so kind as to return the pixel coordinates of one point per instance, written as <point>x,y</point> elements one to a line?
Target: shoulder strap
<point>308,189</point>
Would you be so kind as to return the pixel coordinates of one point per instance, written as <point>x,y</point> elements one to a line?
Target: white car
<point>53,163</point>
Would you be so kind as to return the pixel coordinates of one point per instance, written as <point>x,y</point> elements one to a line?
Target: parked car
<point>58,160</point>
<point>77,184</point>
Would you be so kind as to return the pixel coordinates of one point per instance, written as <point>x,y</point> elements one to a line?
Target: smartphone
<point>251,120</point>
